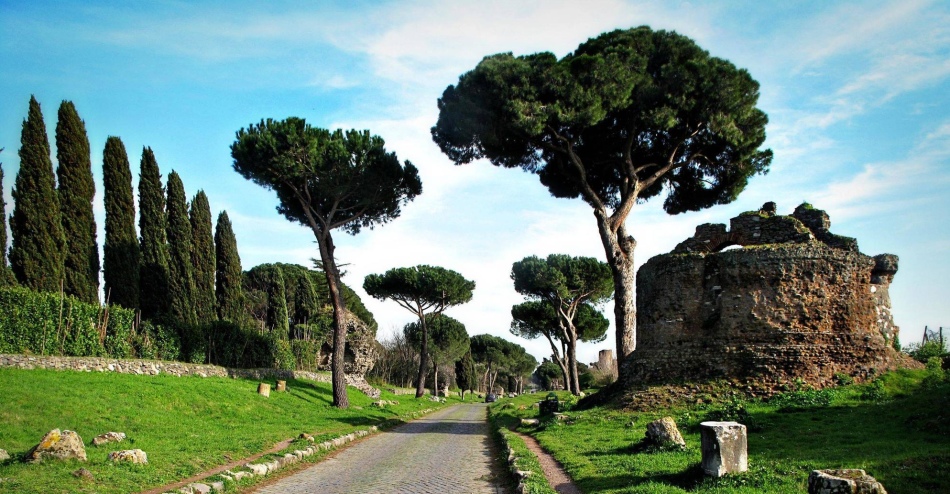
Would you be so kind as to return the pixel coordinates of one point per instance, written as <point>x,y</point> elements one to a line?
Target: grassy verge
<point>897,428</point>
<point>186,425</point>
<point>521,461</point>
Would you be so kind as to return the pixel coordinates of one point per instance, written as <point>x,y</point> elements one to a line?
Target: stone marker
<point>130,455</point>
<point>263,389</point>
<point>108,437</point>
<point>4,455</point>
<point>663,433</point>
<point>847,481</point>
<point>725,448</point>
<point>58,446</point>
<point>281,385</point>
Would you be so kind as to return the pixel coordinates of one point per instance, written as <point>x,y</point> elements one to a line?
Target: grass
<point>896,428</point>
<point>186,425</point>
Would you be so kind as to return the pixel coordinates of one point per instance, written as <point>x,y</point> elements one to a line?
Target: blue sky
<point>858,96</point>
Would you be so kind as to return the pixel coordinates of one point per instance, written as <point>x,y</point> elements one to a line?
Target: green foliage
<point>465,375</point>
<point>157,342</point>
<point>843,379</point>
<point>121,248</point>
<point>76,192</point>
<point>202,258</point>
<point>420,289</point>
<point>46,323</point>
<point>804,399</point>
<point>38,250</point>
<point>874,391</point>
<point>925,351</point>
<point>153,275</point>
<point>181,271</point>
<point>277,316</point>
<point>448,339</point>
<point>228,272</point>
<point>547,374</point>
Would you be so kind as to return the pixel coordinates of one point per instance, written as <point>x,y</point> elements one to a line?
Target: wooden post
<point>263,389</point>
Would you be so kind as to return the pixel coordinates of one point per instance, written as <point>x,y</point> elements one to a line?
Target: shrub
<point>804,399</point>
<point>924,351</point>
<point>53,324</point>
<point>874,391</point>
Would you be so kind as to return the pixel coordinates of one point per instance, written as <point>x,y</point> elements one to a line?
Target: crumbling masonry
<point>795,302</point>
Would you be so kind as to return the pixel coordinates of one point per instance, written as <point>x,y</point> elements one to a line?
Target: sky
<point>857,94</point>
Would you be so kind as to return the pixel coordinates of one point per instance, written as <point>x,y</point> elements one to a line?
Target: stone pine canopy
<point>795,302</point>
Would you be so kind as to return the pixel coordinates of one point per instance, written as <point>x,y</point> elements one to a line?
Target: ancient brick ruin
<point>795,302</point>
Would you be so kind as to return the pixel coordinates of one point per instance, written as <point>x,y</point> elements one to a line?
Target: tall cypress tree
<point>37,254</point>
<point>181,275</point>
<point>121,248</point>
<point>153,274</point>
<point>6,276</point>
<point>277,307</point>
<point>76,190</point>
<point>202,256</point>
<point>228,289</point>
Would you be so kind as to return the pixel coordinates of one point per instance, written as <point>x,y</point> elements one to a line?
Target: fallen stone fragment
<point>136,456</point>
<point>304,435</point>
<point>256,469</point>
<point>530,421</point>
<point>281,385</point>
<point>663,433</point>
<point>846,481</point>
<point>108,437</point>
<point>217,486</point>
<point>4,455</point>
<point>58,445</point>
<point>240,475</point>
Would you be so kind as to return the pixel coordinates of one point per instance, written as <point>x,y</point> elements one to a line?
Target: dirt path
<point>557,477</point>
<point>449,451</point>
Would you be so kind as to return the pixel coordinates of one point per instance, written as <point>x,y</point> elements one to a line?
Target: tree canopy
<point>120,251</point>
<point>628,116</point>
<point>449,340</point>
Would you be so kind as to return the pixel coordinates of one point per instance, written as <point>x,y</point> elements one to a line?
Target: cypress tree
<point>181,273</point>
<point>6,276</point>
<point>76,190</point>
<point>36,256</point>
<point>121,248</point>
<point>277,307</point>
<point>228,289</point>
<point>153,274</point>
<point>202,256</point>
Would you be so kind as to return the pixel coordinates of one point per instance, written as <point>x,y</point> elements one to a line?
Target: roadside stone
<point>136,456</point>
<point>273,466</point>
<point>58,445</point>
<point>4,456</point>
<point>240,475</point>
<point>846,481</point>
<point>725,448</point>
<point>304,435</point>
<point>255,468</point>
<point>199,488</point>
<point>263,389</point>
<point>108,437</point>
<point>664,433</point>
<point>84,474</point>
<point>281,385</point>
<point>530,421</point>
<point>217,486</point>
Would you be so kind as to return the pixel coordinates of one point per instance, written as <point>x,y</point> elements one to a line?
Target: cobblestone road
<point>447,452</point>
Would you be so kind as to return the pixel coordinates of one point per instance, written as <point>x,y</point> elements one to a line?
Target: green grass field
<point>186,425</point>
<point>897,429</point>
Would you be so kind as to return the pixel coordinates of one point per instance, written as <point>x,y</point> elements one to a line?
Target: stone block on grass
<point>136,456</point>
<point>725,448</point>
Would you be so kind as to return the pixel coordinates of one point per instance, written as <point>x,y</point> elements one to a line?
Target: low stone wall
<point>156,367</point>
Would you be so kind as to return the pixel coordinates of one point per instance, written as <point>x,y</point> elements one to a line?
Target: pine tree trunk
<point>575,387</point>
<point>423,358</point>
<point>619,248</point>
<point>340,399</point>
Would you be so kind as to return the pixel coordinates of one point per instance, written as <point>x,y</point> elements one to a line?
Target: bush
<point>52,324</point>
<point>157,342</point>
<point>804,399</point>
<point>874,391</point>
<point>925,351</point>
<point>306,354</point>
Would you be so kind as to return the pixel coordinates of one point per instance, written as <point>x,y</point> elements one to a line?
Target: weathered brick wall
<point>768,314</point>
